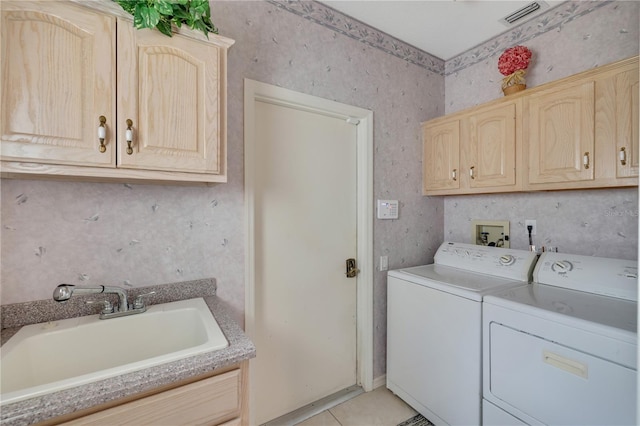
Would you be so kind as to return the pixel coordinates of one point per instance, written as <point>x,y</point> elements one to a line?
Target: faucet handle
<point>107,306</point>
<point>138,303</point>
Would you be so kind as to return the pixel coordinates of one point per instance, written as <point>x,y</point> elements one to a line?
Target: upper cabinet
<point>441,156</point>
<point>474,151</point>
<point>625,94</point>
<point>492,139</point>
<point>57,78</point>
<point>578,132</point>
<point>88,96</point>
<point>559,127</point>
<point>170,94</point>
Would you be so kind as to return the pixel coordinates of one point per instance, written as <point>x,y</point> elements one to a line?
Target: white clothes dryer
<point>563,350</point>
<point>434,327</point>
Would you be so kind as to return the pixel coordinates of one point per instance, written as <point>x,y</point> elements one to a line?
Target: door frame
<point>363,119</point>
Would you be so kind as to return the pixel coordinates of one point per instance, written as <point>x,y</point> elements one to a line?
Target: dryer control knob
<point>507,260</point>
<point>562,266</point>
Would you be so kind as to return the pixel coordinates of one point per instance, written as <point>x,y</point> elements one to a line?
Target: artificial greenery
<point>161,14</point>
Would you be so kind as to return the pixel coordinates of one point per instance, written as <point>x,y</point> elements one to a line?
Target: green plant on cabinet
<point>160,14</point>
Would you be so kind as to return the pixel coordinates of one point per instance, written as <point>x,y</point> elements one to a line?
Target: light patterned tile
<point>323,419</point>
<point>379,407</point>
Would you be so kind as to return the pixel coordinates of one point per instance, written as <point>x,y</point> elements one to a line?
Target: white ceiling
<point>443,28</point>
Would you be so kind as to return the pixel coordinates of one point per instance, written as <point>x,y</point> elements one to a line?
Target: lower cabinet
<point>220,399</point>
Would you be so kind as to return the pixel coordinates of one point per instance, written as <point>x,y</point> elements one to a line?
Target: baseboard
<point>380,381</point>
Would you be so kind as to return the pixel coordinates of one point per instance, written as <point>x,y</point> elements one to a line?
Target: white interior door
<point>305,228</point>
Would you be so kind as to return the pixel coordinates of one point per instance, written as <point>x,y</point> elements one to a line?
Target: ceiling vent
<point>527,11</point>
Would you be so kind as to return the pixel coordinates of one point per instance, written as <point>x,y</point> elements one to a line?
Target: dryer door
<point>556,384</point>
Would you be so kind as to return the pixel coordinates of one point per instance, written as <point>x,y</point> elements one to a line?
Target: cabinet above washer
<point>473,152</point>
<point>574,133</point>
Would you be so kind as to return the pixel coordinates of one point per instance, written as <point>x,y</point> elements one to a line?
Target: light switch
<point>387,209</point>
<point>384,263</point>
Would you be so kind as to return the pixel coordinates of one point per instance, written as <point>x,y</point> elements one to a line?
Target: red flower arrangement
<point>514,59</point>
<point>513,64</point>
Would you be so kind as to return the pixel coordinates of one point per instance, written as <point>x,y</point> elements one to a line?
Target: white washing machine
<point>562,351</point>
<point>434,327</point>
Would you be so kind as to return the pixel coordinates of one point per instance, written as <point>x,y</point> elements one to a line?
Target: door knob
<point>352,270</point>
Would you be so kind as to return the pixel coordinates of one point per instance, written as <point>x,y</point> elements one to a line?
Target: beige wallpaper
<point>139,235</point>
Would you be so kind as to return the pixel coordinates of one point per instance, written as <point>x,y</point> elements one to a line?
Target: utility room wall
<point>573,37</point>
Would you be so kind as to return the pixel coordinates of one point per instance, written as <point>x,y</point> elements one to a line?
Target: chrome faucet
<point>63,292</point>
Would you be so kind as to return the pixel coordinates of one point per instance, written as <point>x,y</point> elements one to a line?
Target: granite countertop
<point>66,401</point>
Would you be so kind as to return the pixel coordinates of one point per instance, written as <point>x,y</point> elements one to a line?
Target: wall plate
<point>388,209</point>
<point>490,233</point>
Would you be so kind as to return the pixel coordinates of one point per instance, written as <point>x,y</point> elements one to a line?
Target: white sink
<point>48,357</point>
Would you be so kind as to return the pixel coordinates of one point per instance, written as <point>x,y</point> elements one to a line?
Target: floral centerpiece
<point>513,64</point>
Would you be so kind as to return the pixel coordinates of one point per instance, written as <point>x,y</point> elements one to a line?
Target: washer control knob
<point>562,266</point>
<point>463,253</point>
<point>507,260</point>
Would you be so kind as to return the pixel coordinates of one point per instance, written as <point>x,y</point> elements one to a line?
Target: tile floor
<point>379,407</point>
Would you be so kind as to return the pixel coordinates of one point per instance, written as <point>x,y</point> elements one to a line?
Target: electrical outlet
<point>532,223</point>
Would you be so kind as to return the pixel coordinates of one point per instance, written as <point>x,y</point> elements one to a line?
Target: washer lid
<point>456,281</point>
<point>577,308</point>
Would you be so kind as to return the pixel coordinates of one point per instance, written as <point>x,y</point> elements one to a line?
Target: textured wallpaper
<point>599,222</point>
<point>573,37</point>
<point>138,235</point>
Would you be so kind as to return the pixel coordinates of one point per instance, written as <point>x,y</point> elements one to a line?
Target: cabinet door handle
<point>585,160</point>
<point>129,136</point>
<point>102,133</point>
<point>454,174</point>
<point>472,172</point>
<point>623,156</point>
